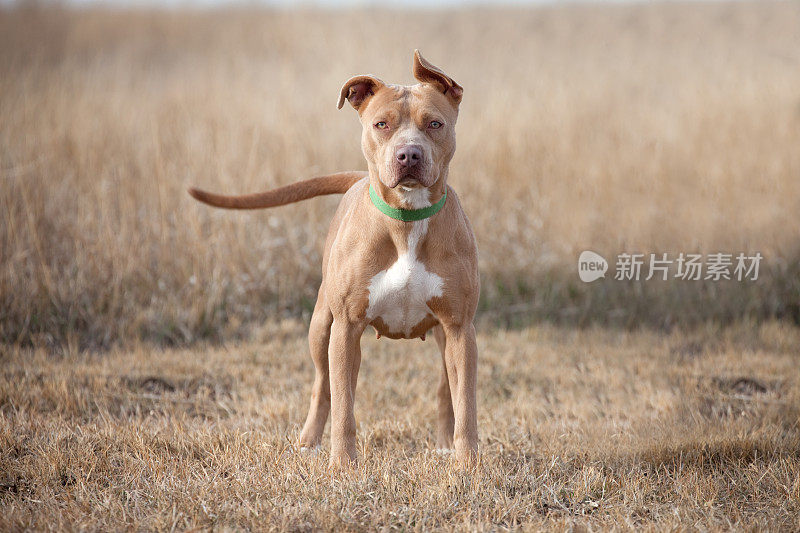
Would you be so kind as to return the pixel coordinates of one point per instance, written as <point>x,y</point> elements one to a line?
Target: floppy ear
<point>428,73</point>
<point>358,90</point>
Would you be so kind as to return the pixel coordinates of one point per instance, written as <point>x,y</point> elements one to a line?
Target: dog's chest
<point>399,295</point>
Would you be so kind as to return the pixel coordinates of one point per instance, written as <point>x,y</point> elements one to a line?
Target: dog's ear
<point>428,73</point>
<point>358,90</point>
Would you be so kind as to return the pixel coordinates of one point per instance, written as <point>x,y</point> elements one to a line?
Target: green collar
<point>406,215</point>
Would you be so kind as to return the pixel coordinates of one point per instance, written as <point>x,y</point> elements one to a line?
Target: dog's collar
<point>406,215</point>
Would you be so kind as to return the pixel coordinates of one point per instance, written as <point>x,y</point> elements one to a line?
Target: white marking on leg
<point>311,451</point>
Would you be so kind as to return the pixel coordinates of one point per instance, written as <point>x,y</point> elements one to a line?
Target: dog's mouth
<point>409,180</point>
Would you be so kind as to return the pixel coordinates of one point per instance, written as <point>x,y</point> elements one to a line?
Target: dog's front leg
<point>461,358</point>
<point>444,439</point>
<point>344,360</point>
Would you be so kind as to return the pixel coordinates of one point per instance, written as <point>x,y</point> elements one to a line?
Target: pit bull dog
<point>400,256</point>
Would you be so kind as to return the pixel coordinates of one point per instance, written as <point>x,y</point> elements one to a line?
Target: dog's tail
<point>337,183</point>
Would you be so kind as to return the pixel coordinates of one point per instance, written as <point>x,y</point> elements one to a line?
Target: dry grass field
<point>580,429</point>
<point>153,365</point>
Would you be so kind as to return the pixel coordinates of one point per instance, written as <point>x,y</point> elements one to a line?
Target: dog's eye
<point>381,125</point>
<point>435,125</point>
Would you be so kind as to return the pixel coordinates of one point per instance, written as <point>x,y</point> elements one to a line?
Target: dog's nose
<point>408,155</point>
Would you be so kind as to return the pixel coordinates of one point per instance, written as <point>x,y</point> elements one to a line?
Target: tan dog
<point>400,256</point>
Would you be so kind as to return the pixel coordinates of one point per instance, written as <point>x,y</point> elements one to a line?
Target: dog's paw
<point>310,450</point>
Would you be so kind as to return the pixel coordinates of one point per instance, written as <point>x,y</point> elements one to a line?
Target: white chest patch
<point>399,294</point>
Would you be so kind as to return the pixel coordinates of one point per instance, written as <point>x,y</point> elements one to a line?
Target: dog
<point>400,256</point>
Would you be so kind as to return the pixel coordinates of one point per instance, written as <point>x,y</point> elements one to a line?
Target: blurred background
<point>635,127</point>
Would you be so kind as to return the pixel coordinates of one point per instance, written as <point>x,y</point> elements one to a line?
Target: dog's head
<point>409,133</point>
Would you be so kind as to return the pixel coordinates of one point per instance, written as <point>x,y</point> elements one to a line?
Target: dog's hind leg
<point>444,439</point>
<point>319,334</point>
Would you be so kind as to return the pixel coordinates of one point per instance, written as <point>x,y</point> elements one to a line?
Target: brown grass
<point>651,128</point>
<point>578,428</point>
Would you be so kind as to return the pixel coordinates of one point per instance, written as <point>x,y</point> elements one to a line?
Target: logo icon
<point>591,266</point>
